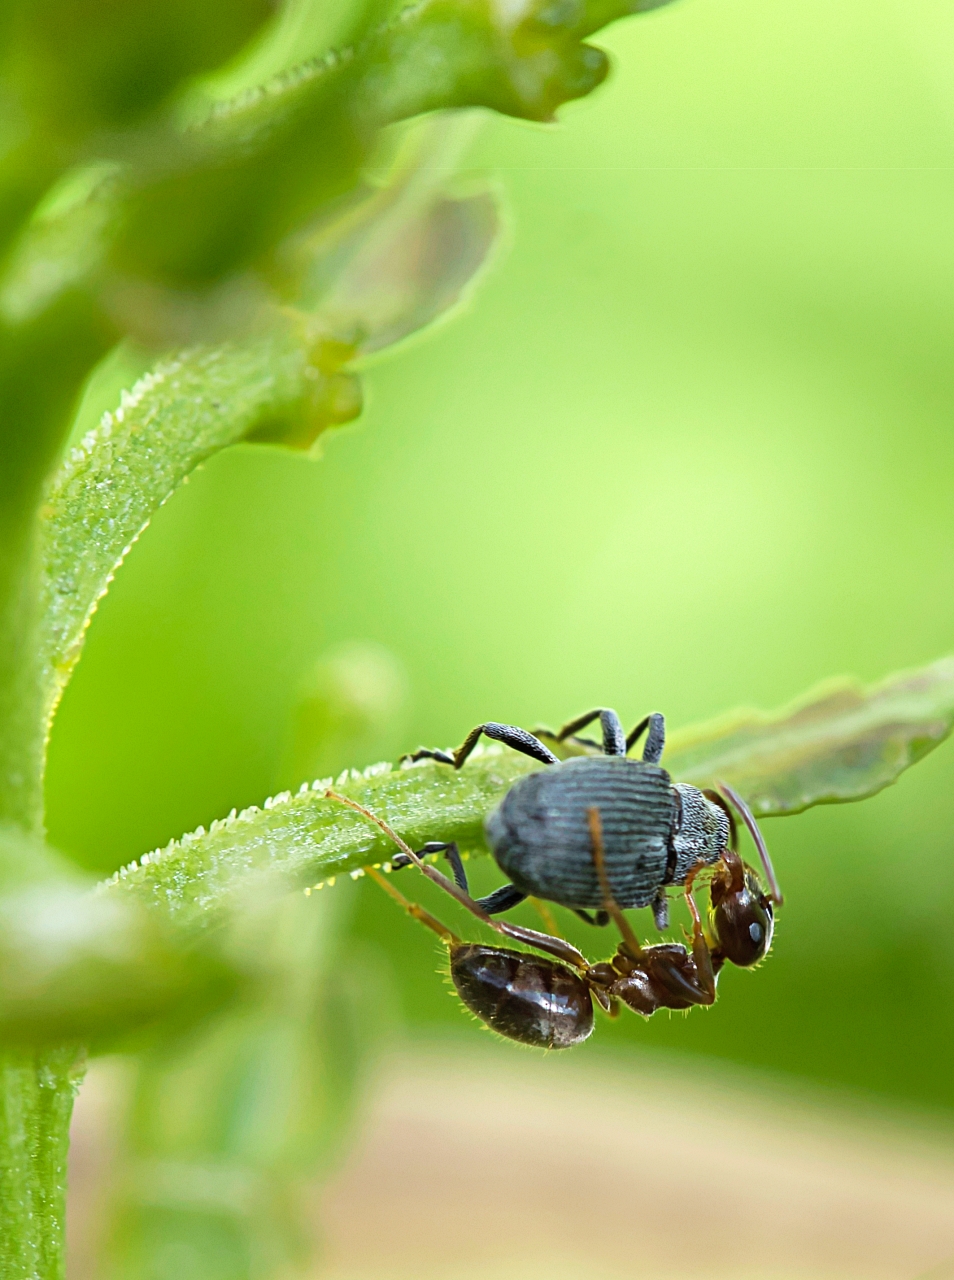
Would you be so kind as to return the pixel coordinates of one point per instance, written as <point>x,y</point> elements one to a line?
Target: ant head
<point>741,918</point>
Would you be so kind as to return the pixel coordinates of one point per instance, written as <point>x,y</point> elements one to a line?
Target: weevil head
<point>701,832</point>
<point>741,918</point>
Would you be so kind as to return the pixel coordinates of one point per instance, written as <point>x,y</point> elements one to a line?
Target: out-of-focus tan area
<point>498,1163</point>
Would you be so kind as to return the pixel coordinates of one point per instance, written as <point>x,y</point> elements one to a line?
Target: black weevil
<point>655,832</point>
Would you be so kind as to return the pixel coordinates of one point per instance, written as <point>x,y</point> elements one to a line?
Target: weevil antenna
<point>558,947</point>
<point>609,902</point>
<point>749,819</point>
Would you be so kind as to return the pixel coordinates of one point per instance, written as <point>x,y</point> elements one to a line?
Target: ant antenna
<point>609,902</point>
<point>557,947</point>
<point>749,819</point>
<point>413,909</point>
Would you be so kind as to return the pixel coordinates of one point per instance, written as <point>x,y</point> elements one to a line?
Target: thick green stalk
<point>36,1101</point>
<point>42,365</point>
<point>36,1089</point>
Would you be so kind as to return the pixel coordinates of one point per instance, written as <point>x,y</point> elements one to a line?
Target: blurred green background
<point>690,447</point>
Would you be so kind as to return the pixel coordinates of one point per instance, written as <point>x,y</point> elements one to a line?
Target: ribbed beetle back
<point>540,834</point>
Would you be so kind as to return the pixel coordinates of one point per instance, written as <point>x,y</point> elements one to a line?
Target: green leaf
<point>839,742</point>
<point>389,263</point>
<point>175,417</point>
<point>206,198</point>
<point>394,258</point>
<point>73,963</point>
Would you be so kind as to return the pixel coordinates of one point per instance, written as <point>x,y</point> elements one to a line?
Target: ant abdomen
<point>524,997</point>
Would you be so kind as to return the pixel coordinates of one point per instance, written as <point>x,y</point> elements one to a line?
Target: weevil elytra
<point>655,832</point>
<point>547,1000</point>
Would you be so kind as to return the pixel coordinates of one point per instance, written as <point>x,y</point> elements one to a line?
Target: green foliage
<point>192,182</point>
<point>839,744</point>
<point>240,244</point>
<point>368,277</point>
<point>228,1124</point>
<point>94,65</point>
<point>80,967</point>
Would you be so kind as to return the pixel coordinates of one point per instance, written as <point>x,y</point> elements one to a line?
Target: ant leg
<point>610,905</point>
<point>451,852</point>
<point>416,912</point>
<point>557,947</point>
<point>700,947</point>
<point>508,734</point>
<point>614,742</point>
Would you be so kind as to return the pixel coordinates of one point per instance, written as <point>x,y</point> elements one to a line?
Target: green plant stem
<point>305,838</point>
<point>36,1102</point>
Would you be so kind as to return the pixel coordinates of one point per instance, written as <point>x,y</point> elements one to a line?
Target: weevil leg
<point>614,740</point>
<point>502,899</point>
<point>429,753</point>
<point>634,735</point>
<point>601,919</point>
<point>542,732</point>
<point>508,734</point>
<point>450,851</point>
<point>660,905</point>
<point>655,739</point>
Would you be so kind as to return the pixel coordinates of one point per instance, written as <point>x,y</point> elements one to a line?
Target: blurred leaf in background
<point>229,1127</point>
<point>352,706</point>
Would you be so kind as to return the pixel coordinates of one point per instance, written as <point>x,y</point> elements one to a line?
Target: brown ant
<point>547,1000</point>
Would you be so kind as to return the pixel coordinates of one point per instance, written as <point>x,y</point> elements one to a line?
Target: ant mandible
<point>547,1000</point>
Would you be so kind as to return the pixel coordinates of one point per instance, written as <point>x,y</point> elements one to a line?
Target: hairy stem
<point>36,1101</point>
<point>305,838</point>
